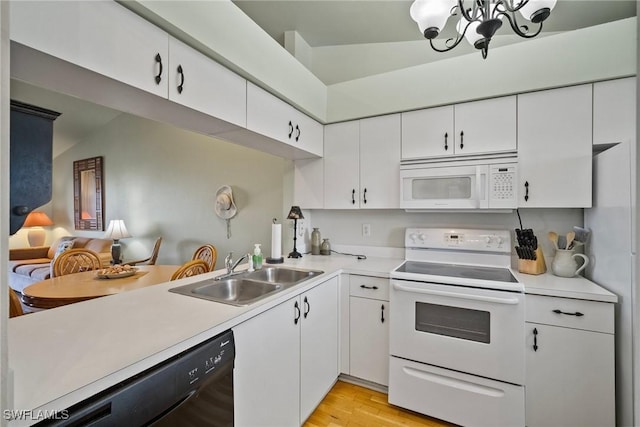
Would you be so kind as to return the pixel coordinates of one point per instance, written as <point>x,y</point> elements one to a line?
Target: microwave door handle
<point>496,300</point>
<point>478,187</point>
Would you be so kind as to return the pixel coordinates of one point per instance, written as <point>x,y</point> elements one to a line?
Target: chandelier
<point>479,22</point>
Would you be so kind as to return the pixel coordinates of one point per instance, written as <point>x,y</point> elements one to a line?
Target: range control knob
<point>421,237</point>
<point>500,241</point>
<point>413,237</point>
<point>487,240</point>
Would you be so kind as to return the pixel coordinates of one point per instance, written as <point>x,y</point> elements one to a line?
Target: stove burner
<point>460,271</point>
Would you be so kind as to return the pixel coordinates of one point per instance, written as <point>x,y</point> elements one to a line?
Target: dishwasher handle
<point>457,295</point>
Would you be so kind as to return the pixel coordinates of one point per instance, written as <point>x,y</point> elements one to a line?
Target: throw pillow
<point>62,247</point>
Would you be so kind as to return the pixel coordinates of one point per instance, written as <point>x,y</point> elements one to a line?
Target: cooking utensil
<point>553,236</point>
<point>570,236</point>
<point>582,234</point>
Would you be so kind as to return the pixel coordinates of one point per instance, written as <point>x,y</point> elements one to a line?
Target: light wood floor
<point>352,405</point>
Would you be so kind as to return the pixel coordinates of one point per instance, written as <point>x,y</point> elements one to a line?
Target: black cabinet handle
<point>297,313</point>
<point>526,191</point>
<point>535,339</point>
<point>461,140</point>
<point>365,196</point>
<point>353,197</point>
<point>577,313</point>
<point>297,133</point>
<point>382,313</point>
<point>181,72</point>
<point>159,76</point>
<point>307,307</point>
<point>446,145</point>
<point>368,287</point>
<point>290,129</point>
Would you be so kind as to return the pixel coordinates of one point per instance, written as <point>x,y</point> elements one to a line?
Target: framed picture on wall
<point>88,195</point>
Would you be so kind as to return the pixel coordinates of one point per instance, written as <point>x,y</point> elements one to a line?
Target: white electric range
<point>457,328</point>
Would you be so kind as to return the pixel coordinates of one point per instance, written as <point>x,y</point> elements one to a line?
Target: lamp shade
<point>431,14</point>
<point>295,213</point>
<point>529,10</point>
<point>116,230</point>
<point>37,219</point>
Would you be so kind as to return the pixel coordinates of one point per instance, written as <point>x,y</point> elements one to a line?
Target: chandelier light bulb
<point>537,11</point>
<point>431,15</point>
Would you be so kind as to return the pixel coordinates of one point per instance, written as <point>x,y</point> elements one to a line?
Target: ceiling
<point>350,39</point>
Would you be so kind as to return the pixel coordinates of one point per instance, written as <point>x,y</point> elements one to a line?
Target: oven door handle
<point>496,300</point>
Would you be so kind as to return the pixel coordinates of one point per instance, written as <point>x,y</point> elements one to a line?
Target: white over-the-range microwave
<point>467,184</point>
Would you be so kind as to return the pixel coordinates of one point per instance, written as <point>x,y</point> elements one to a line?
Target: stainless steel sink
<point>282,275</point>
<point>248,287</point>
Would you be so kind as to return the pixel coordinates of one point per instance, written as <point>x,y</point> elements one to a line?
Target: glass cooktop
<point>460,271</point>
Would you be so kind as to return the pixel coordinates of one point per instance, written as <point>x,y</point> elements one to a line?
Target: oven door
<point>472,330</point>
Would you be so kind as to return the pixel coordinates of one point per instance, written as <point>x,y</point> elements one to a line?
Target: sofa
<point>30,265</point>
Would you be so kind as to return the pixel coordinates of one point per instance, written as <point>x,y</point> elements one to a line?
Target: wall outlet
<point>366,230</point>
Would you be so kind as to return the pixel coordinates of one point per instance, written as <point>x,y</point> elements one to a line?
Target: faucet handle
<point>228,260</point>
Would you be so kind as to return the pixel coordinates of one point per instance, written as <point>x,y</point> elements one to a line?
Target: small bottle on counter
<point>315,242</point>
<point>257,257</point>
<point>325,247</point>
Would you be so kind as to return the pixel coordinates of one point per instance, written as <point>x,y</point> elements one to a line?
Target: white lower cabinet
<point>287,359</point>
<point>369,329</point>
<point>569,363</point>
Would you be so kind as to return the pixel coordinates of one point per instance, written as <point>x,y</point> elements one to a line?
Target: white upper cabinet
<point>555,148</point>
<point>380,162</point>
<point>341,165</point>
<point>198,82</point>
<point>471,128</point>
<point>100,36</point>
<point>427,133</point>
<point>271,117</point>
<point>614,111</point>
<point>361,163</point>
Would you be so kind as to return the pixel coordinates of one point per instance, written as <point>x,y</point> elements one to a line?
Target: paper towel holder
<point>271,260</point>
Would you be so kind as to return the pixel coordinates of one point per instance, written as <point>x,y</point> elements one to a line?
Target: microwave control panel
<point>503,186</point>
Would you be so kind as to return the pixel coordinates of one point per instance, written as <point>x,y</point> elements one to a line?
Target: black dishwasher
<point>194,388</point>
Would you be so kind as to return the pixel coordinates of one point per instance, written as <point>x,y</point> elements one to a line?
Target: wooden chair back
<point>75,261</point>
<point>15,306</point>
<point>191,268</point>
<point>151,260</point>
<point>208,254</point>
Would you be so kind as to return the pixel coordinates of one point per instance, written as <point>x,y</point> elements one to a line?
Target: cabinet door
<point>380,162</point>
<point>487,126</point>
<point>201,83</point>
<point>267,368</point>
<point>319,345</point>
<point>554,148</point>
<point>614,111</point>
<point>269,116</point>
<point>341,165</point>
<point>369,346</point>
<point>427,133</point>
<point>308,134</point>
<point>101,36</point>
<point>569,378</point>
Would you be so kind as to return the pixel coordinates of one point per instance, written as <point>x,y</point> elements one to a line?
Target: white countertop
<point>62,356</point>
<point>573,287</point>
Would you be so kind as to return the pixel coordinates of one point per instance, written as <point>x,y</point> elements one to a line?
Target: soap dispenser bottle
<point>257,257</point>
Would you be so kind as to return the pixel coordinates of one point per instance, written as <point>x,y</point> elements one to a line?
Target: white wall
<point>595,53</point>
<point>162,181</point>
<point>344,227</point>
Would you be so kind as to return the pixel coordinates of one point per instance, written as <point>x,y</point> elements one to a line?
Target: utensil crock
<point>565,265</point>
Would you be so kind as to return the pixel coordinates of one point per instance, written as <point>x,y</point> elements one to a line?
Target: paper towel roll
<point>276,241</point>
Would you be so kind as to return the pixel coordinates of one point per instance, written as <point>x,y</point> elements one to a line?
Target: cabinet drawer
<point>369,287</point>
<point>596,316</point>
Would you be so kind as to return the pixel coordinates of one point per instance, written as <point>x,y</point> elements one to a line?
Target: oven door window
<point>463,323</point>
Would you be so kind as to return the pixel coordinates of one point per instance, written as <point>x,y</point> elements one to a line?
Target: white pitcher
<point>565,265</point>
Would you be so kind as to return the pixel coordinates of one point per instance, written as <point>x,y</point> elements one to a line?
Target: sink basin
<point>245,288</point>
<point>235,291</point>
<point>283,276</point>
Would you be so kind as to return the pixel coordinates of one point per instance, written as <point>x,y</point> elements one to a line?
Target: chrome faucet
<point>231,266</point>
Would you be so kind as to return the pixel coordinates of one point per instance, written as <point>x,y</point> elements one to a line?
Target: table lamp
<point>36,236</point>
<point>116,231</point>
<point>295,214</point>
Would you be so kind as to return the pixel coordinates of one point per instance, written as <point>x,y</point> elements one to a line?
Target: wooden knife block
<point>529,266</point>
